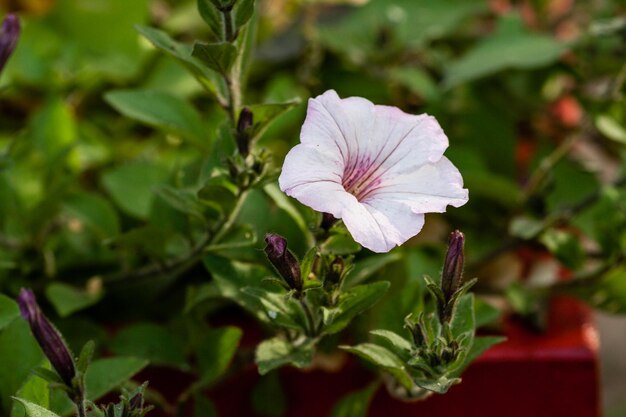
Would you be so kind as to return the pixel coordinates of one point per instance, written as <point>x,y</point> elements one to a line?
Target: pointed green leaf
<point>67,299</point>
<point>151,342</point>
<point>512,46</point>
<point>398,342</point>
<point>9,311</point>
<point>209,79</point>
<point>162,110</point>
<point>219,57</point>
<point>367,267</point>
<point>216,351</point>
<point>281,309</point>
<point>277,352</point>
<point>86,354</point>
<point>384,359</point>
<point>34,410</point>
<point>351,303</point>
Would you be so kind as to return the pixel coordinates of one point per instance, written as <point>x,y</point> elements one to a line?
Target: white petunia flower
<point>375,167</point>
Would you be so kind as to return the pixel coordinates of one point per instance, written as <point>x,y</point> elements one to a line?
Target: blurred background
<point>530,93</point>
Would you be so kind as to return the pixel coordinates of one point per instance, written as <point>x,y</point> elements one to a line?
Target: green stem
<point>229,35</point>
<point>309,318</point>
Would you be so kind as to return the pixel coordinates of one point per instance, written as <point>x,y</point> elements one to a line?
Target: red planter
<point>530,375</point>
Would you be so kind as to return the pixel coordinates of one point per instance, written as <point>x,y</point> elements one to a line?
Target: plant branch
<point>182,264</point>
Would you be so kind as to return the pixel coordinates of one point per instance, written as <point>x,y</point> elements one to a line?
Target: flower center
<point>361,178</point>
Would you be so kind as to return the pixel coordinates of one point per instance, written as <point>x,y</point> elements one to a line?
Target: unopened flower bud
<point>416,330</point>
<point>283,260</point>
<point>9,35</point>
<point>452,273</point>
<point>47,336</point>
<point>244,127</point>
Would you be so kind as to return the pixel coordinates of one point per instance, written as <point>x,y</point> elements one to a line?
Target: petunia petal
<point>381,225</point>
<point>428,189</point>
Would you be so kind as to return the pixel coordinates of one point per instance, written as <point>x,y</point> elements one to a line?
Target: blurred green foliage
<point>117,144</point>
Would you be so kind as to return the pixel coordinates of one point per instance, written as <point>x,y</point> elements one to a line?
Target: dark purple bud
<point>452,273</point>
<point>244,127</point>
<point>283,260</point>
<point>47,336</point>
<point>9,34</point>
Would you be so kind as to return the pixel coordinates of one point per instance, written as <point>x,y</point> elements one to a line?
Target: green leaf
<point>481,344</point>
<point>231,276</point>
<point>565,246</point>
<point>352,303</point>
<point>239,236</point>
<point>356,403</point>
<point>181,199</point>
<point>244,9</point>
<point>268,397</point>
<point>34,410</point>
<point>151,342</point>
<point>408,24</point>
<point>106,374</point>
<point>219,57</point>
<point>417,81</point>
<point>399,343</point>
<point>54,129</point>
<point>82,25</point>
<point>485,313</point>
<point>306,264</point>
<point>365,268</point>
<point>67,299</point>
<point>216,351</point>
<point>213,18</point>
<point>95,212</point>
<point>85,356</point>
<point>282,310</point>
<point>35,390</point>
<point>610,128</point>
<point>219,194</point>
<point>384,359</point>
<point>276,352</point>
<point>162,110</point>
<point>19,355</point>
<point>9,311</point>
<point>209,79</point>
<point>265,114</point>
<point>131,185</point>
<point>440,385</point>
<point>525,227</point>
<point>512,46</point>
<point>463,321</point>
<point>606,292</point>
<point>284,203</point>
<point>340,244</point>
<point>103,376</point>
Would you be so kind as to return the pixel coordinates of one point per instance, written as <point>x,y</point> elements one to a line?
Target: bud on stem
<point>47,336</point>
<point>9,35</point>
<point>452,274</point>
<point>283,260</point>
